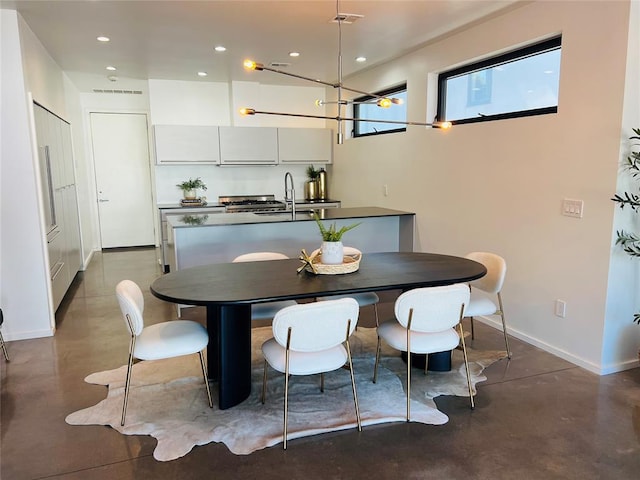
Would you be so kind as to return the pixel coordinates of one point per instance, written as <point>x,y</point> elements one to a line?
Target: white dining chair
<point>308,339</point>
<point>161,340</point>
<point>364,299</point>
<point>265,311</point>
<point>491,284</point>
<point>2,344</point>
<point>425,323</point>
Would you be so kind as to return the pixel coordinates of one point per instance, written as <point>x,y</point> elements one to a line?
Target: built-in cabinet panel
<point>211,145</point>
<point>186,144</point>
<point>60,205</point>
<point>248,146</point>
<point>304,145</point>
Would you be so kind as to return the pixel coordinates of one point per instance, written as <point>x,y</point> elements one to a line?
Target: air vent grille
<point>109,90</point>
<point>347,18</point>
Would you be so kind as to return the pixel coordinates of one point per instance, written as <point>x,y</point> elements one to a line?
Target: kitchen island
<point>201,239</point>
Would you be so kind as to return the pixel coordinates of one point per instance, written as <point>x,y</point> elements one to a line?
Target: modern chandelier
<point>380,101</point>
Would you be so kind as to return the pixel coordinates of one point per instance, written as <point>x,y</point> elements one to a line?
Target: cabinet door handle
<point>102,200</point>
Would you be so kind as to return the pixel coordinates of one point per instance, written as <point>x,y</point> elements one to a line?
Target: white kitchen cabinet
<point>186,144</point>
<point>248,146</point>
<point>305,145</point>
<point>55,157</point>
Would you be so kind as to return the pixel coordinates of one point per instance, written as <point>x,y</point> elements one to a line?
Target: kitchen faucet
<point>291,191</point>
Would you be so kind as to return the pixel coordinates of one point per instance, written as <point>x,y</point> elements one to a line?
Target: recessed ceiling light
<point>548,71</point>
<point>220,48</point>
<point>103,39</point>
<point>294,54</point>
<point>361,59</point>
<point>111,68</point>
<point>202,74</point>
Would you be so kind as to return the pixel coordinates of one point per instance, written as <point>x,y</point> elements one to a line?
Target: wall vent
<point>109,90</point>
<point>347,18</point>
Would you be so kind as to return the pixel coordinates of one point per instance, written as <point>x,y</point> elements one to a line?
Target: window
<point>396,112</point>
<point>517,84</point>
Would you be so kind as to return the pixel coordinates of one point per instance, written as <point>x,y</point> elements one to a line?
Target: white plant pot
<point>189,194</point>
<point>332,253</point>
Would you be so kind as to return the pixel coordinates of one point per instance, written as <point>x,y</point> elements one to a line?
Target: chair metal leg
<point>286,399</point>
<point>375,367</point>
<point>4,348</point>
<point>322,382</point>
<point>375,312</point>
<point>206,379</point>
<point>473,333</point>
<point>127,382</point>
<point>264,383</point>
<point>504,326</point>
<point>466,366</point>
<point>353,387</point>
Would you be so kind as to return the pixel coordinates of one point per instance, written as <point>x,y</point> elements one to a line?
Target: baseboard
<point>87,261</point>
<point>581,362</point>
<point>28,335</point>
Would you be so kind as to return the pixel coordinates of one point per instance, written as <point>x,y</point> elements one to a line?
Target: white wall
<point>498,186</point>
<point>24,272</point>
<point>623,300</point>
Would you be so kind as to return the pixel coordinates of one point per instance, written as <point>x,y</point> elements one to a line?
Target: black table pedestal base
<point>438,362</point>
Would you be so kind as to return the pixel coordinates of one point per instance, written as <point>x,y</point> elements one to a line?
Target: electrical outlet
<point>572,207</point>
<point>561,308</point>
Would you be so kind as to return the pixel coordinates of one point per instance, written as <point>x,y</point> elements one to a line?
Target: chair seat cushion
<point>170,339</point>
<point>304,363</point>
<point>363,299</point>
<point>396,336</point>
<point>261,311</point>
<point>480,305</point>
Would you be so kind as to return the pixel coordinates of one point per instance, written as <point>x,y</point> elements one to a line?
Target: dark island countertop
<point>178,220</point>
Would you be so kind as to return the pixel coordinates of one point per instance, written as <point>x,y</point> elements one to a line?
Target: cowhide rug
<point>168,400</point>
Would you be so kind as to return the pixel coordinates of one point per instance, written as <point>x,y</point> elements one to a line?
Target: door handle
<point>102,200</point>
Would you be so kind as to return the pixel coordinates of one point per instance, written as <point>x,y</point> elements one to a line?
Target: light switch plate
<point>572,207</point>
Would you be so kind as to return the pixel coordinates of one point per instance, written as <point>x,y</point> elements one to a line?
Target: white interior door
<point>123,179</point>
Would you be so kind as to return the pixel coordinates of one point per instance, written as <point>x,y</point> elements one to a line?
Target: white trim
<point>28,334</point>
<point>592,367</point>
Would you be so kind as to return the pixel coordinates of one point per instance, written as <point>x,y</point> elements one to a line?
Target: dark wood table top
<point>256,282</point>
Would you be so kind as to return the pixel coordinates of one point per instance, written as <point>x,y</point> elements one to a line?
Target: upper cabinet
<point>248,146</point>
<point>186,144</point>
<point>304,145</point>
<point>193,144</point>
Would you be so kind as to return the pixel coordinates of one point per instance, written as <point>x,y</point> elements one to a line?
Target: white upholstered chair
<point>425,323</point>
<point>491,284</point>
<point>162,340</point>
<point>265,311</point>
<point>2,344</point>
<point>364,299</point>
<point>311,338</point>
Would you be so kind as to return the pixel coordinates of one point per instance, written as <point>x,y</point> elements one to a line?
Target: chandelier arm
<point>349,119</point>
<point>302,77</point>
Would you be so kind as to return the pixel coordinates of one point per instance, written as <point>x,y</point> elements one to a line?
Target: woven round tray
<point>350,264</point>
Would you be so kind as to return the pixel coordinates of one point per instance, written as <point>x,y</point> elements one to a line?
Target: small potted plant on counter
<point>311,185</point>
<point>189,187</point>
<point>332,247</point>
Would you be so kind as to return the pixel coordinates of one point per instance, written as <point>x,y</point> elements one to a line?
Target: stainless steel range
<point>251,203</point>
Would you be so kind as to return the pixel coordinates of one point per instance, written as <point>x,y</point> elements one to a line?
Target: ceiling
<point>166,39</point>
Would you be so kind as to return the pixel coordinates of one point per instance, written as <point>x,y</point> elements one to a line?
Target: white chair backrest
<point>316,326</point>
<point>260,256</point>
<point>496,271</point>
<point>435,309</point>
<point>132,304</point>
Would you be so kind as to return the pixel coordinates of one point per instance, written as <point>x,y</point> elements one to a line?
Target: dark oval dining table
<point>229,289</point>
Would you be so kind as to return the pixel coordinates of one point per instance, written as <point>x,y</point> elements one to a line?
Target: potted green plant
<point>311,185</point>
<point>630,241</point>
<point>189,187</point>
<point>332,247</point>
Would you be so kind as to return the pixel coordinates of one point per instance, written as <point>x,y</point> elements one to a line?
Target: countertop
<point>179,220</point>
<point>166,206</point>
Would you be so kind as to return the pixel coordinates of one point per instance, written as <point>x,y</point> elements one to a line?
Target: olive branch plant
<point>630,241</point>
<point>332,234</point>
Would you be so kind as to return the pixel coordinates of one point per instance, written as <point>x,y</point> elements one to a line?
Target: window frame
<point>537,48</point>
<point>387,92</point>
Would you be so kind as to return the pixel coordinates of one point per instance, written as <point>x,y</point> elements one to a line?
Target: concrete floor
<point>536,417</point>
